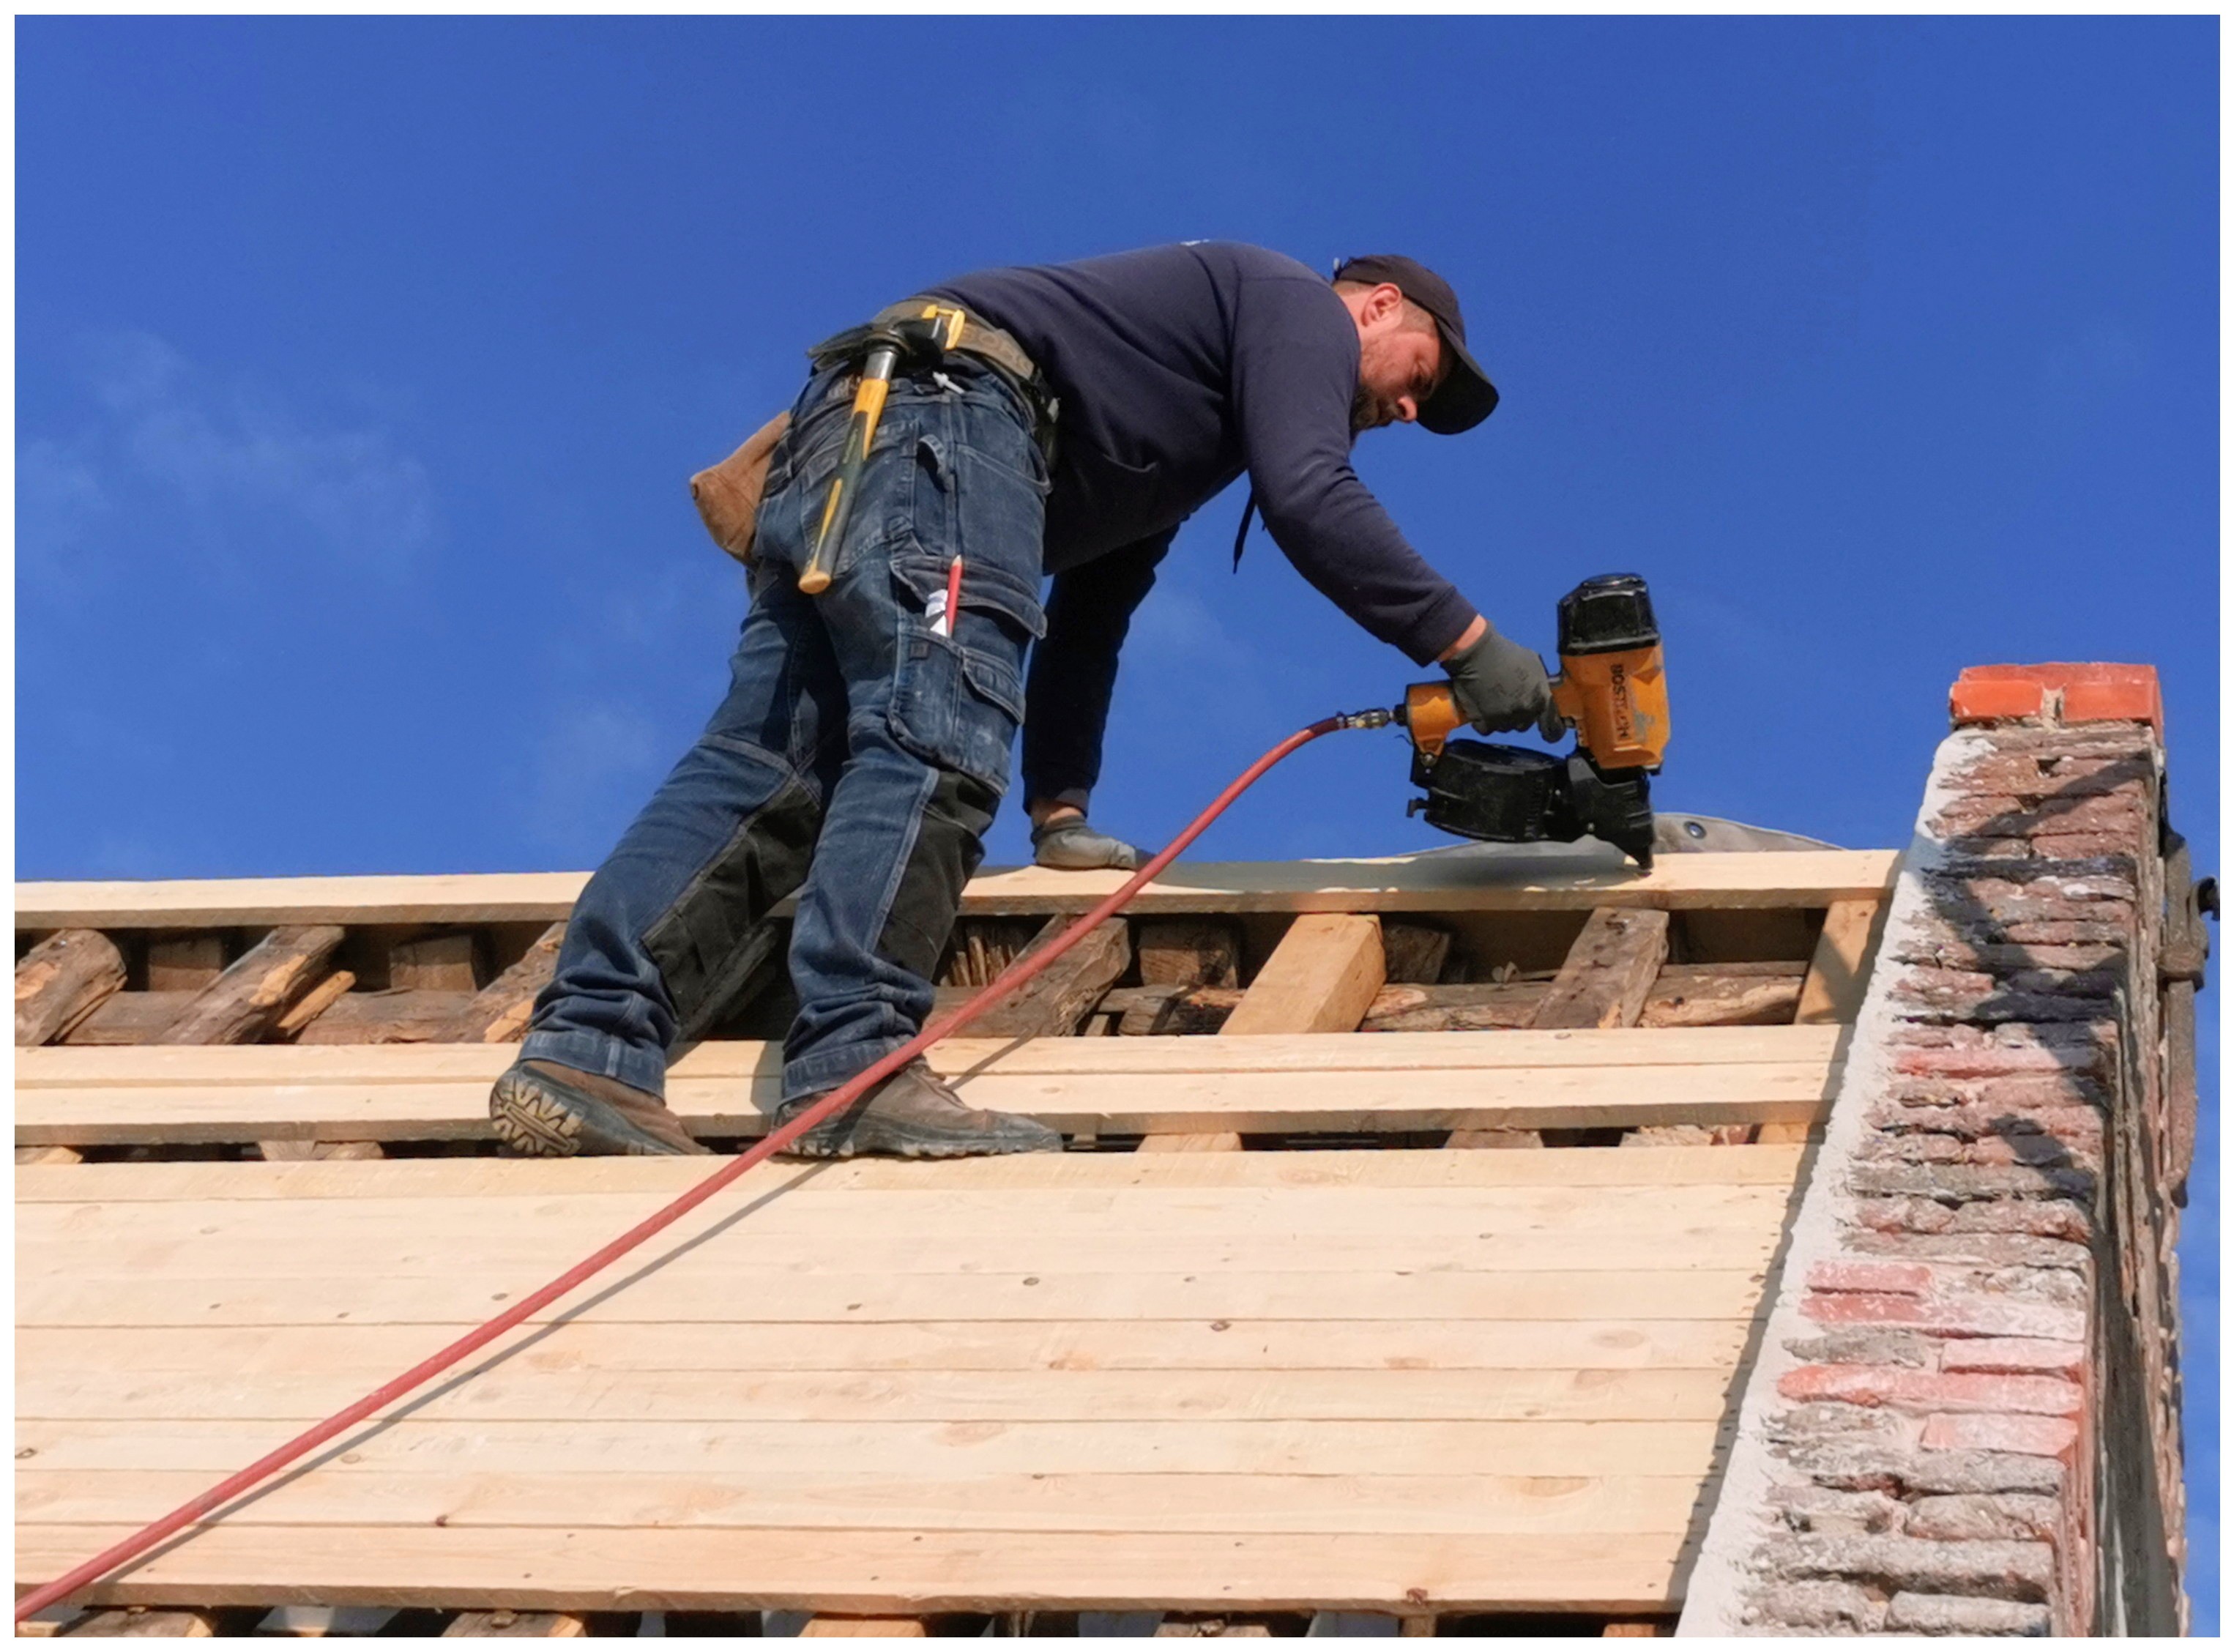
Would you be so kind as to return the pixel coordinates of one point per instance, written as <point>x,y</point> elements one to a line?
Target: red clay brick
<point>1900,1279</point>
<point>1988,701</point>
<point>2032,1436</point>
<point>2014,1353</point>
<point>1912,1390</point>
<point>2119,694</point>
<point>1949,1317</point>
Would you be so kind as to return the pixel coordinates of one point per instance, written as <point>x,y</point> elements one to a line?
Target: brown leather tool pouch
<point>728,494</point>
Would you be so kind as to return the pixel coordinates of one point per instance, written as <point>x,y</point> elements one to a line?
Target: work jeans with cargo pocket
<point>857,759</point>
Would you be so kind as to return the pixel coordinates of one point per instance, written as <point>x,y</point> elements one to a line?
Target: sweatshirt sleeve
<point>1295,376</point>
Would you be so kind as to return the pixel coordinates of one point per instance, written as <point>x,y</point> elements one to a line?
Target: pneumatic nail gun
<point>1611,690</point>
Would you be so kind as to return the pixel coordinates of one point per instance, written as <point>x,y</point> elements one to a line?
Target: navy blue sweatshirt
<point>1177,369</point>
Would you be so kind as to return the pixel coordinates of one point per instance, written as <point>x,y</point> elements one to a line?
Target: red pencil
<point>945,626</point>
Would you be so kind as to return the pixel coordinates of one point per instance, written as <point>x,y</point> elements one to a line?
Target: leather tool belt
<point>728,494</point>
<point>998,349</point>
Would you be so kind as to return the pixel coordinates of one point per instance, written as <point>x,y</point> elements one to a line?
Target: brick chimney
<point>1964,1414</point>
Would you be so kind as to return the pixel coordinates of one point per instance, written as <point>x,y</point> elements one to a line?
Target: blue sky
<point>361,365</point>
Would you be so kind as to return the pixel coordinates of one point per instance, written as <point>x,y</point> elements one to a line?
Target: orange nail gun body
<point>1612,689</point>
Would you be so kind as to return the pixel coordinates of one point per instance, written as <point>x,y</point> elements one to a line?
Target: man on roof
<point>1087,411</point>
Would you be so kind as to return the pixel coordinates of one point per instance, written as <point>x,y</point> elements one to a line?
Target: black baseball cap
<point>1466,396</point>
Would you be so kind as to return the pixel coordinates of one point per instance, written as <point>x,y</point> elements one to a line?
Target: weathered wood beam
<point>826,1625</point>
<point>1056,1001</point>
<point>183,962</point>
<point>128,1018</point>
<point>1701,995</point>
<point>533,1626</point>
<point>241,1005</point>
<point>436,964</point>
<point>1609,970</point>
<point>1190,952</point>
<point>498,1013</point>
<point>313,1004</point>
<point>278,1152</point>
<point>402,1017</point>
<point>1415,952</point>
<point>141,1624</point>
<point>63,980</point>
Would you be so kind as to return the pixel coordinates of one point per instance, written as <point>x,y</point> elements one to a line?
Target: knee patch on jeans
<point>708,944</point>
<point>948,844</point>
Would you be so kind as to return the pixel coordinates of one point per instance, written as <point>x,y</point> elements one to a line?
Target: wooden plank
<point>1719,1048</point>
<point>1319,979</point>
<point>863,1498</point>
<point>1116,1103</point>
<point>49,1155</point>
<point>82,1395</point>
<point>61,981</point>
<point>1431,883</point>
<point>936,1455</point>
<point>242,1003</point>
<point>366,1354</point>
<point>499,1013</point>
<point>1157,1261</point>
<point>593,1569</point>
<point>1840,973</point>
<point>687,1294</point>
<point>1223,1224</point>
<point>1098,1174</point>
<point>1608,972</point>
<point>1383,1505</point>
<point>1054,1003</point>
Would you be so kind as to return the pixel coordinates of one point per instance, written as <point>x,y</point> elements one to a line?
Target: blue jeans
<point>857,760</point>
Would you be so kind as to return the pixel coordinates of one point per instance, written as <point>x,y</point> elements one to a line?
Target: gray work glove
<point>1070,845</point>
<point>1503,687</point>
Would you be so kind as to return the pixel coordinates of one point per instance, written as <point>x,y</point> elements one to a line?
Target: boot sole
<point>529,1122</point>
<point>808,1146</point>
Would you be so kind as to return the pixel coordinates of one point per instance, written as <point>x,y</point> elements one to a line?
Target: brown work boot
<point>542,1110</point>
<point>914,1114</point>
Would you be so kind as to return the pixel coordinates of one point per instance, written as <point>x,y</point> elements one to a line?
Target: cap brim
<point>1466,396</point>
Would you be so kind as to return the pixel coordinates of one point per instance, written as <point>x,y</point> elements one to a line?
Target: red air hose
<point>1018,973</point>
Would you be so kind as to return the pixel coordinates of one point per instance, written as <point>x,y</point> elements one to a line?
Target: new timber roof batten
<point>1427,883</point>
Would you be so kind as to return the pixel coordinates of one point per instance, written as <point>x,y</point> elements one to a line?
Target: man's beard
<point>1365,412</point>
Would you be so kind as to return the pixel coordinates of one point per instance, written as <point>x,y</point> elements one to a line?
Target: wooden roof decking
<point>1389,1374</point>
<point>1340,1380</point>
